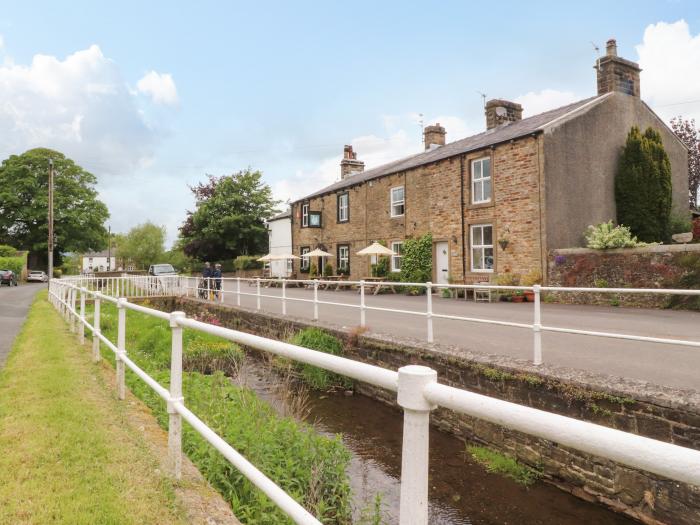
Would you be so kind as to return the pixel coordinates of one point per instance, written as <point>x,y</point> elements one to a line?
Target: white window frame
<point>305,261</point>
<point>481,181</point>
<point>304,215</point>
<point>397,202</point>
<point>344,258</point>
<point>397,248</point>
<point>344,208</point>
<point>481,247</point>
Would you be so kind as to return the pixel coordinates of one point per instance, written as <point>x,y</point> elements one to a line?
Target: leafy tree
<point>690,136</point>
<point>229,219</point>
<point>143,245</point>
<point>643,186</point>
<point>79,216</point>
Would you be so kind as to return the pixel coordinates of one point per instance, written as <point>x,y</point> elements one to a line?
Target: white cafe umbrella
<point>283,257</point>
<point>318,253</point>
<point>265,258</point>
<point>376,249</point>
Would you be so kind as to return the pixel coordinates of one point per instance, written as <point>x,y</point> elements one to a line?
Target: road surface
<point>14,305</point>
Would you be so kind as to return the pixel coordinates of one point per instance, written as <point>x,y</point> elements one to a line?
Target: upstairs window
<point>397,248</point>
<point>304,215</point>
<point>397,201</point>
<point>481,180</point>
<point>314,219</point>
<point>343,207</point>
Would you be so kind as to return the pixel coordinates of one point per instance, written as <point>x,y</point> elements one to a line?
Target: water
<point>461,492</point>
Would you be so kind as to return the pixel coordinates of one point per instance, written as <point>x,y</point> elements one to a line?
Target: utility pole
<point>50,272</point>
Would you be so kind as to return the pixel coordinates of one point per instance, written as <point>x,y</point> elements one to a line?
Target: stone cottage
<point>494,202</point>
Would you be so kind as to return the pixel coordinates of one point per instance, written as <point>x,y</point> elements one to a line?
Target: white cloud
<point>160,87</point>
<point>669,56</point>
<point>80,105</point>
<point>536,102</point>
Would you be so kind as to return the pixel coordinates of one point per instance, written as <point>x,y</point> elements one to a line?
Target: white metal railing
<point>418,392</point>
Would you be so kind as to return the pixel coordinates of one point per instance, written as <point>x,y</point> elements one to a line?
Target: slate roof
<point>518,129</point>
<point>103,253</point>
<point>283,215</point>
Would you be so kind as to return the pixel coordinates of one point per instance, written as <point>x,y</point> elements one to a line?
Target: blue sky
<point>151,96</point>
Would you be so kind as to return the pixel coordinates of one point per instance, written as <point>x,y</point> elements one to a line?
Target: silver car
<point>37,276</point>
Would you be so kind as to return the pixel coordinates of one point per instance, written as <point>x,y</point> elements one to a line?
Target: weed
<point>318,378</point>
<point>372,513</point>
<point>501,464</point>
<point>615,302</point>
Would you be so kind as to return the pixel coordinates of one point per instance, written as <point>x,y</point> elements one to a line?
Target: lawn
<point>68,452</point>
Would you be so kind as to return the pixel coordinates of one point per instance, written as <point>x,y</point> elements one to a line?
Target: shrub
<point>7,251</point>
<point>247,262</point>
<point>417,259</point>
<point>508,279</point>
<point>328,270</point>
<point>16,264</point>
<point>680,223</point>
<point>643,192</point>
<point>313,270</point>
<point>605,236</point>
<point>381,268</point>
<point>318,378</point>
<point>532,277</point>
<point>57,273</point>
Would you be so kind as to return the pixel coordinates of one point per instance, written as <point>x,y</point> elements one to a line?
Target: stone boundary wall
<point>658,266</point>
<point>666,414</point>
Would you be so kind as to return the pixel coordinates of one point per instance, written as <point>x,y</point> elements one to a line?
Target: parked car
<point>163,274</point>
<point>8,277</point>
<point>37,276</point>
<point>161,269</point>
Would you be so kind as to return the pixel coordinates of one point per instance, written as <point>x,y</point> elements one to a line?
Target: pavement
<point>14,306</point>
<point>661,364</point>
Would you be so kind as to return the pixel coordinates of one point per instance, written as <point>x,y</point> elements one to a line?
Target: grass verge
<point>68,453</point>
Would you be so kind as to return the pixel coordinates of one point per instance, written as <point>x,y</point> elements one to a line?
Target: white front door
<point>442,263</point>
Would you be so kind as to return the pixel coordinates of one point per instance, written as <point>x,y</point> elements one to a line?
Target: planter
<point>518,298</point>
<point>529,296</point>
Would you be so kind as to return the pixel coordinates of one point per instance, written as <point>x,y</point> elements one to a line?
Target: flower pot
<point>518,298</point>
<point>529,296</point>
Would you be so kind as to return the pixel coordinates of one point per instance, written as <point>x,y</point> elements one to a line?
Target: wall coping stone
<point>654,248</point>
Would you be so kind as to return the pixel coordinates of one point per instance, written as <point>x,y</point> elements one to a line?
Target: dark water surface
<point>461,491</point>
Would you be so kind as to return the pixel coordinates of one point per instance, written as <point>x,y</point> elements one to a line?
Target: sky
<point>153,96</point>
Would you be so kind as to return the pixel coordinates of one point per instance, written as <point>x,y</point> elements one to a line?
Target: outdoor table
<point>377,287</point>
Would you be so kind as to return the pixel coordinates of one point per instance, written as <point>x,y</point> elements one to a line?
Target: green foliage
<point>247,262</point>
<point>143,245</point>
<point>310,467</point>
<point>690,136</point>
<point>209,356</point>
<point>313,270</point>
<point>501,464</point>
<point>417,260</point>
<point>532,277</point>
<point>680,223</point>
<point>605,236</point>
<point>79,216</point>
<point>57,273</point>
<point>643,192</point>
<point>72,265</point>
<point>373,513</point>
<point>328,270</point>
<point>179,260</point>
<point>318,378</point>
<point>7,251</point>
<point>381,268</point>
<point>16,264</point>
<point>690,280</point>
<point>229,219</point>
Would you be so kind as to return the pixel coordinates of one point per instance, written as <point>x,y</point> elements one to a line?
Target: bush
<point>681,223</point>
<point>318,378</point>
<point>7,251</point>
<point>417,259</point>
<point>605,236</point>
<point>247,262</point>
<point>313,270</point>
<point>381,268</point>
<point>16,264</point>
<point>328,270</point>
<point>532,277</point>
<point>57,273</point>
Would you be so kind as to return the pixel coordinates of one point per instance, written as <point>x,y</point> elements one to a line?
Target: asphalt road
<point>661,364</point>
<point>14,305</point>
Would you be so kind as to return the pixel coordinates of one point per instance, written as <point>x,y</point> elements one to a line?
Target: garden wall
<point>666,414</point>
<point>660,266</point>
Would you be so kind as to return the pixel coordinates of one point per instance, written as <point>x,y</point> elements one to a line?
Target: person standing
<point>206,280</point>
<point>217,275</point>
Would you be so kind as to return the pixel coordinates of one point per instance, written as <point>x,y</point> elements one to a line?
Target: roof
<point>505,133</point>
<point>284,215</point>
<point>103,253</point>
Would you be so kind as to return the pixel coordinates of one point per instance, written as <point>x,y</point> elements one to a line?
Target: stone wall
<point>649,267</point>
<point>666,414</point>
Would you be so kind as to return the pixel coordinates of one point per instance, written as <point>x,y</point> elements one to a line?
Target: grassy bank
<point>68,454</point>
<point>310,467</point>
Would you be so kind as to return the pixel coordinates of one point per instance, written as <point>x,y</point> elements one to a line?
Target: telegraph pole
<point>50,272</point>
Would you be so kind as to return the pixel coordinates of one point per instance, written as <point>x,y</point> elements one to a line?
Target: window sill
<point>489,204</point>
<point>481,271</point>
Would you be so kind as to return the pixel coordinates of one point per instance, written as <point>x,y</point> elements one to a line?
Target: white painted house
<point>99,262</point>
<point>279,230</point>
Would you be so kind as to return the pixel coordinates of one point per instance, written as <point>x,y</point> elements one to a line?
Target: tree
<point>79,216</point>
<point>143,245</point>
<point>229,219</point>
<point>643,187</point>
<point>690,136</point>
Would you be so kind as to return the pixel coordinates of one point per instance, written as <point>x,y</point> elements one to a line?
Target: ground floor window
<point>397,248</point>
<point>343,258</point>
<point>482,247</point>
<point>304,263</point>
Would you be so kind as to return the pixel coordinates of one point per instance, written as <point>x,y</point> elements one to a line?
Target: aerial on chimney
<point>434,136</point>
<point>615,73</point>
<point>500,112</point>
<point>350,165</point>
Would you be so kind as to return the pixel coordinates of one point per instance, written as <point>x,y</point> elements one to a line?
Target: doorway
<point>442,262</point>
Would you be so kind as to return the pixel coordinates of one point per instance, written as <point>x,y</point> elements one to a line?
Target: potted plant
<point>531,278</point>
<point>518,297</point>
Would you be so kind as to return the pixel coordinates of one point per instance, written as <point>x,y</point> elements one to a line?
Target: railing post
<point>222,285</point>
<point>537,327</point>
<point>71,313</point>
<point>121,347</point>
<point>429,312</point>
<point>81,320</point>
<point>315,300</point>
<point>175,420</point>
<point>362,303</point>
<point>208,288</point>
<point>96,331</point>
<point>238,291</point>
<point>413,379</point>
<point>257,282</point>
<point>284,297</point>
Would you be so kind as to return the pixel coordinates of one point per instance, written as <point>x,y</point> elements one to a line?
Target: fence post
<point>222,285</point>
<point>257,282</point>
<point>96,331</point>
<point>81,320</point>
<point>537,327</point>
<point>429,312</point>
<point>284,297</point>
<point>175,420</point>
<point>238,291</point>
<point>315,300</point>
<point>72,316</point>
<point>362,303</point>
<point>413,379</point>
<point>121,347</point>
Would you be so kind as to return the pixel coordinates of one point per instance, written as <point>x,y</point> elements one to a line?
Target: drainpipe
<point>461,213</point>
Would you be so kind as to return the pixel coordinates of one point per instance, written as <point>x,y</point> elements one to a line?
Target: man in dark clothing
<point>206,281</point>
<point>216,275</point>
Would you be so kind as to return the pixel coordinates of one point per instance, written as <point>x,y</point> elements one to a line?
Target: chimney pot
<point>500,112</point>
<point>434,136</point>
<point>611,48</point>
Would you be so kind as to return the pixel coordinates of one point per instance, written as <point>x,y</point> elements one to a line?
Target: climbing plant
<point>417,260</point>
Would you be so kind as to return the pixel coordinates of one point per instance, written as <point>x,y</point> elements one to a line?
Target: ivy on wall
<point>417,260</point>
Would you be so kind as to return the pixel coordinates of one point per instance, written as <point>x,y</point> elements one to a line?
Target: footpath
<point>72,453</point>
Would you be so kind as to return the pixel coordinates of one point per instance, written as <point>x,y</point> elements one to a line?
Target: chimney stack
<point>434,136</point>
<point>500,112</point>
<point>615,73</point>
<point>350,165</point>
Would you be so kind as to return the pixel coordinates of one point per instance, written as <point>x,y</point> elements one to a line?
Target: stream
<point>461,491</point>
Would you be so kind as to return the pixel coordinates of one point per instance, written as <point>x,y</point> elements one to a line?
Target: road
<point>661,364</point>
<point>14,305</point>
